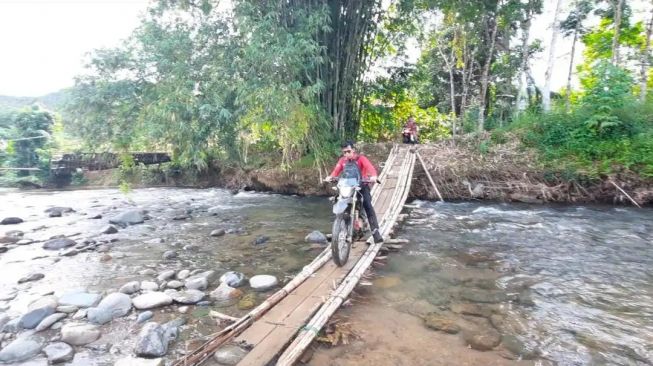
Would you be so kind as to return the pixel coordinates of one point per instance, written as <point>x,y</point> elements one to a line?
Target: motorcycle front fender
<point>341,206</point>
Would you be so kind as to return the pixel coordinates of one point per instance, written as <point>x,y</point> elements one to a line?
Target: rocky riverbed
<point>100,278</point>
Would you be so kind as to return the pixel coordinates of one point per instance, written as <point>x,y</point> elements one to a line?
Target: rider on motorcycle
<point>368,172</point>
<point>410,131</point>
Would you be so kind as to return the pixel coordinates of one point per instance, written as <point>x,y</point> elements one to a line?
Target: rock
<point>166,275</point>
<point>144,316</point>
<point>80,299</point>
<point>118,303</point>
<point>35,316</point>
<point>197,283</point>
<point>69,252</point>
<point>186,297</point>
<point>31,277</point>
<point>174,284</point>
<point>59,209</point>
<point>489,297</point>
<point>79,334</point>
<point>68,309</point>
<point>80,314</point>
<point>147,272</point>
<point>316,237</point>
<point>151,300</point>
<point>21,349</point>
<point>4,319</point>
<point>233,279</point>
<point>387,282</point>
<point>169,254</point>
<point>183,274</point>
<point>260,240</point>
<point>131,217</point>
<point>520,349</point>
<point>49,320</point>
<point>11,326</point>
<point>181,215</point>
<point>94,217</point>
<point>99,316</point>
<point>247,302</point>
<point>217,232</point>
<point>192,248</point>
<point>11,221</point>
<point>55,213</point>
<point>7,295</point>
<point>226,295</point>
<point>263,282</point>
<point>59,243</point>
<point>59,352</point>
<point>437,322</point>
<point>520,197</point>
<point>482,339</point>
<point>171,328</point>
<point>105,257</point>
<point>151,341</point>
<point>214,211</point>
<point>137,361</point>
<point>149,286</point>
<point>130,287</point>
<point>109,229</point>
<point>229,355</point>
<point>471,309</point>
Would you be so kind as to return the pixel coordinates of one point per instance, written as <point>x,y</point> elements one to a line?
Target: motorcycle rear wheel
<point>340,246</point>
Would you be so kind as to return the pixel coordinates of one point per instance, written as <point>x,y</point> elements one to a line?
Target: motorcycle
<point>349,223</point>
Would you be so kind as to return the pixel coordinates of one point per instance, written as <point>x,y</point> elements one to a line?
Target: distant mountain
<point>53,101</point>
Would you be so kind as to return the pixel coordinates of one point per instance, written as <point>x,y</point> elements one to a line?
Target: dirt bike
<point>347,205</point>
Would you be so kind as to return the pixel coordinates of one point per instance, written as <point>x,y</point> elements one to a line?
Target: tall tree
<point>531,8</point>
<point>617,28</point>
<point>573,26</point>
<point>645,59</point>
<point>555,26</point>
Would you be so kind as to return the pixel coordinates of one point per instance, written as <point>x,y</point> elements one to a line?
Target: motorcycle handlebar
<point>362,181</point>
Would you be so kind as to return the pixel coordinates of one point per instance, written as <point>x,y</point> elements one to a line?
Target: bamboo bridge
<point>280,329</point>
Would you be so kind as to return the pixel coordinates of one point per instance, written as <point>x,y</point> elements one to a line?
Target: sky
<point>43,43</point>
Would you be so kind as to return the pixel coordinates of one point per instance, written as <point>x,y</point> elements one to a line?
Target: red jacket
<point>367,169</point>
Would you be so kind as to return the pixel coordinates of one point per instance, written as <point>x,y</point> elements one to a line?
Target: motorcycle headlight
<point>346,191</point>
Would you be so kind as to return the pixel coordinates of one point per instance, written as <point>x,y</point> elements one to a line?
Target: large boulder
<point>187,297</point>
<point>80,299</point>
<point>151,300</point>
<point>226,295</point>
<point>118,303</point>
<point>130,287</point>
<point>316,237</point>
<point>58,243</point>
<point>49,320</point>
<point>59,352</point>
<point>263,282</point>
<point>197,283</point>
<point>151,341</point>
<point>11,221</point>
<point>21,349</point>
<point>37,311</point>
<point>79,334</point>
<point>131,217</point>
<point>233,279</point>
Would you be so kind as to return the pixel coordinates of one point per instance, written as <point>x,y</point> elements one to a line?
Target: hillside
<point>51,101</point>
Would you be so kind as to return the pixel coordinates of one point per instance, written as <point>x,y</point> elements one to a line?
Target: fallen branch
<point>627,195</point>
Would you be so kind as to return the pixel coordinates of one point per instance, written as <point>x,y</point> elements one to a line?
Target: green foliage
<point>28,131</point>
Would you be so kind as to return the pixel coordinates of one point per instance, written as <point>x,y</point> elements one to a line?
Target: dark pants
<point>367,205</point>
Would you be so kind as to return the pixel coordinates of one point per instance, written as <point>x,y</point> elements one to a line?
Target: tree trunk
<point>617,30</point>
<point>450,64</point>
<point>546,93</point>
<point>485,78</point>
<point>645,61</point>
<point>571,68</point>
<point>521,87</point>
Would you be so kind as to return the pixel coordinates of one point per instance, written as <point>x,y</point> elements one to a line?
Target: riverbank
<point>469,170</point>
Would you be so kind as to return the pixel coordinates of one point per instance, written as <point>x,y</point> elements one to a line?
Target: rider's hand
<point>329,179</point>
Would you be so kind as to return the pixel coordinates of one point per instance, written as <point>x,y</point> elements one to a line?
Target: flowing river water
<point>537,285</point>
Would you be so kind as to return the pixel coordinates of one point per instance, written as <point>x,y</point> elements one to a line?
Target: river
<point>540,285</point>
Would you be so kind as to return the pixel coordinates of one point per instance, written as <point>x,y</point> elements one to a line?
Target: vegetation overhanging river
<point>535,284</point>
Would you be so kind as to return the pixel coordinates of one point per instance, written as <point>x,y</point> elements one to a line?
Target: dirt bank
<point>465,171</point>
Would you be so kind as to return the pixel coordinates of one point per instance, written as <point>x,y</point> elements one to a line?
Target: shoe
<point>377,236</point>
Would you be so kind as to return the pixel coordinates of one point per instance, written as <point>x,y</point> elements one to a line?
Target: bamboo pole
<point>429,176</point>
<point>205,351</point>
<point>309,332</point>
<point>627,195</point>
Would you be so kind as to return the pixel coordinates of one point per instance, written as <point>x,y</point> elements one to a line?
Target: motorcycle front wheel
<point>339,244</point>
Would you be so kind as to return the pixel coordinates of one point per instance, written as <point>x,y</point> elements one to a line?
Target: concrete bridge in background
<point>66,164</point>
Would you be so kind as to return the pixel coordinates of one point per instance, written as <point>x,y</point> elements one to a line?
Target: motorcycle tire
<point>340,246</point>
